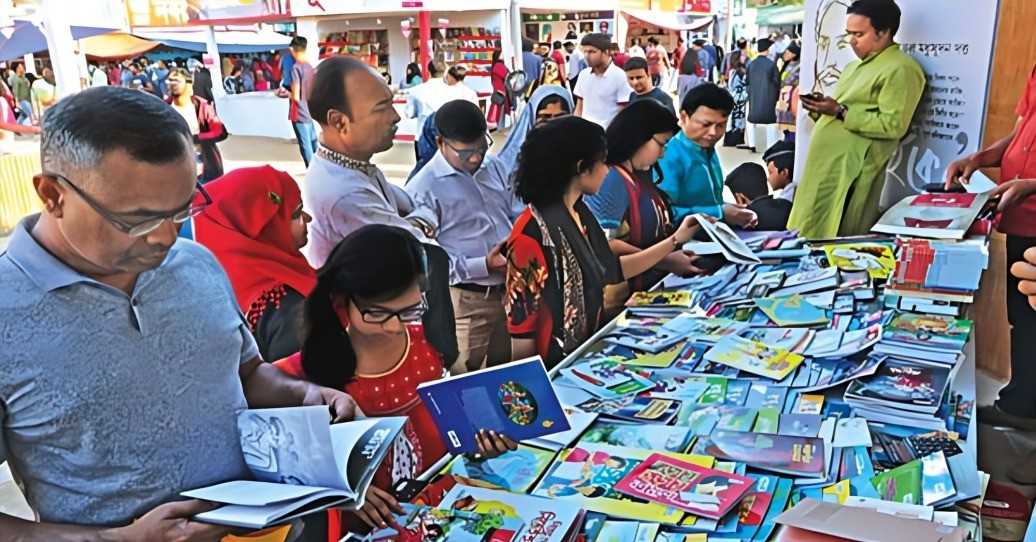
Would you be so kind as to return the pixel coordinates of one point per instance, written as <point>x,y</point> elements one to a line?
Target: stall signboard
<point>955,53</point>
<point>186,12</point>
<point>320,8</point>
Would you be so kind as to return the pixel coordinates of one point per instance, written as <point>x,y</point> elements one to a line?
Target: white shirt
<point>573,63</point>
<point>429,96</point>
<point>189,114</point>
<point>99,78</point>
<point>603,93</point>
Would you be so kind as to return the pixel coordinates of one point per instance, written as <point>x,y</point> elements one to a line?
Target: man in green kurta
<point>859,128</point>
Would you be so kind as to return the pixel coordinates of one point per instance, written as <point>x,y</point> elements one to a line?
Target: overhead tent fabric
<point>25,38</point>
<point>227,41</point>
<point>670,20</point>
<point>779,15</point>
<point>115,46</point>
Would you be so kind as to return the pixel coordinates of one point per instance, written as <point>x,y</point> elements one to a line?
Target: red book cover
<point>704,492</point>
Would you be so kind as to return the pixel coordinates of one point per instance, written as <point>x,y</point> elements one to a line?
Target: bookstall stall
<point>387,36</point>
<point>800,381</point>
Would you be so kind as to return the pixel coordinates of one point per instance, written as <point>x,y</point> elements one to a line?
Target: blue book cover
<point>515,399</point>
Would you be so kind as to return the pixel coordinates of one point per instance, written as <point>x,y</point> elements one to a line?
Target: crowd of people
<point>351,291</point>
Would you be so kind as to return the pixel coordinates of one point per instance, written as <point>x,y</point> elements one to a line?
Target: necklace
<point>340,159</point>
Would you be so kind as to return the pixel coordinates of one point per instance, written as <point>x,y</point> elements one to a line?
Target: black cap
<point>763,44</point>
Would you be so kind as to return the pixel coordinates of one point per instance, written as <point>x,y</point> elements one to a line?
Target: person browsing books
<point>691,173</point>
<point>255,228</point>
<point>473,222</point>
<point>125,359</point>
<point>633,212</point>
<point>558,258</point>
<point>361,332</point>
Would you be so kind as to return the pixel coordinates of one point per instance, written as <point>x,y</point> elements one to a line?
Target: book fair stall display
<point>806,390</point>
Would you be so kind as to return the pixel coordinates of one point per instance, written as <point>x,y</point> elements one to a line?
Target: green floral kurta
<point>845,167</point>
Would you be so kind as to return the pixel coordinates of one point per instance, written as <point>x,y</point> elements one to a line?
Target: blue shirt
<point>287,63</point>
<point>693,178</point>
<point>656,94</point>
<point>111,404</point>
<point>533,65</point>
<point>473,217</point>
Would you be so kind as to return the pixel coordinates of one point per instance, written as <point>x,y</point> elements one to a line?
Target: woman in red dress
<point>361,333</point>
<point>499,102</point>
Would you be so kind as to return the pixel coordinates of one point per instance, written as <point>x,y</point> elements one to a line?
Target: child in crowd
<point>361,333</point>
<point>748,182</point>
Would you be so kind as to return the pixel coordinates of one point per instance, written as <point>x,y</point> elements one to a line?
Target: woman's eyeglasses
<point>406,315</point>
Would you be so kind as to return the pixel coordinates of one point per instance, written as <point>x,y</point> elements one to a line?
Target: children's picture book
<point>808,281</point>
<point>766,395</point>
<point>788,338</point>
<point>936,481</point>
<point>427,524</point>
<point>934,216</point>
<point>901,484</point>
<point>850,343</point>
<point>586,476</point>
<point>674,299</point>
<point>606,378</point>
<point>877,259</point>
<point>515,399</point>
<point>513,471</point>
<point>754,357</point>
<point>543,520</point>
<point>736,418</point>
<point>301,464</point>
<point>686,388</point>
<point>578,420</point>
<point>731,246</point>
<point>799,425</point>
<point>635,409</point>
<point>707,330</point>
<point>928,331</point>
<point>796,456</point>
<point>902,385</point>
<point>647,437</point>
<point>640,358</point>
<point>647,339</point>
<point>699,490</point>
<point>791,311</point>
<point>833,372</point>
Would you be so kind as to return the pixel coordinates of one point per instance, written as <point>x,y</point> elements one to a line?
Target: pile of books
<point>937,277</point>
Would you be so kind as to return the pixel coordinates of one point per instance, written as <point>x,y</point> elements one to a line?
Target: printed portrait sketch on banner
<point>952,40</point>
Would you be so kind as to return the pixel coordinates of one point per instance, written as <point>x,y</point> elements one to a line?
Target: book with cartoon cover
<point>791,311</point>
<point>754,357</point>
<point>877,259</point>
<point>586,475</point>
<point>789,338</point>
<point>543,520</point>
<point>797,456</point>
<point>677,299</point>
<point>928,331</point>
<point>695,489</point>
<point>708,330</point>
<point>514,470</point>
<point>427,524</point>
<point>901,385</point>
<point>648,437</point>
<point>515,399</point>
<point>606,378</point>
<point>640,358</point>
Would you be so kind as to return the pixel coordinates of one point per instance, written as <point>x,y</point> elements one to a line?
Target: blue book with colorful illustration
<point>516,400</point>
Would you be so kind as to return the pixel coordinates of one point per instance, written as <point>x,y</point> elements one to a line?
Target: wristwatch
<point>842,110</point>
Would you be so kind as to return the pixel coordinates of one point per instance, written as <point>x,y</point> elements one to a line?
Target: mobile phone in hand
<point>937,188</point>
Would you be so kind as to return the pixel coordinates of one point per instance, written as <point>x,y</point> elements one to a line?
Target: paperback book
<point>542,520</point>
<point>900,385</point>
<point>754,357</point>
<point>876,259</point>
<point>650,410</point>
<point>427,524</point>
<point>301,464</point>
<point>936,216</point>
<point>513,471</point>
<point>795,456</point>
<point>648,437</point>
<point>791,311</point>
<point>695,489</point>
<point>516,400</point>
<point>607,378</point>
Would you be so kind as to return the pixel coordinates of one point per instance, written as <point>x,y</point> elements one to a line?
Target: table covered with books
<point>805,387</point>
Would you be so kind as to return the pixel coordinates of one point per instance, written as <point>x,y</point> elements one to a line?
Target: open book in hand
<point>301,464</point>
<point>731,246</point>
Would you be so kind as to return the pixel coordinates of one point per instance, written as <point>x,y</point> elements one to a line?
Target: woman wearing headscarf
<point>255,227</point>
<point>558,258</point>
<point>788,101</point>
<point>631,209</point>
<point>546,103</point>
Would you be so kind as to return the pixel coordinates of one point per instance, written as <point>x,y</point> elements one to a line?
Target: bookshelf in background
<point>369,46</point>
<point>471,47</point>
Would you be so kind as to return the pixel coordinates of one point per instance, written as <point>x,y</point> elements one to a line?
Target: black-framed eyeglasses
<point>406,315</point>
<point>146,226</point>
<point>466,154</point>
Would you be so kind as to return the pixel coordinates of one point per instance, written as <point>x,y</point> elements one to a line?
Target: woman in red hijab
<point>255,226</point>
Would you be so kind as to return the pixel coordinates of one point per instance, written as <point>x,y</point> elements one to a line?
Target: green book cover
<point>901,484</point>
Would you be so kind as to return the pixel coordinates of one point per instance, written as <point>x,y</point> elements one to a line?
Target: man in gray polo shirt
<point>124,359</point>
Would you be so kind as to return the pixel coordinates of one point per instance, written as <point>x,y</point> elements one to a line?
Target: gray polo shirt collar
<point>48,272</point>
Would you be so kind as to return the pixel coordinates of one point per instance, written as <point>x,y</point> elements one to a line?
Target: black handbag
<point>497,98</point>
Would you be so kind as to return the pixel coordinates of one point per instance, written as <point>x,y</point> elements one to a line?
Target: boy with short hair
<point>748,182</point>
<point>639,79</point>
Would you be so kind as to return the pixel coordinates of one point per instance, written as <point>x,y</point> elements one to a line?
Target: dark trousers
<point>1019,397</point>
<point>656,79</point>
